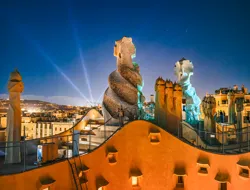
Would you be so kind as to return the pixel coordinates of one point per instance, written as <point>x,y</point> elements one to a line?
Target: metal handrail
<point>104,123</point>
<point>241,145</point>
<point>38,139</point>
<point>79,158</point>
<point>222,145</point>
<point>186,124</point>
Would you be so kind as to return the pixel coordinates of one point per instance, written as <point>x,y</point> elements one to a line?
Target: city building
<point>44,129</point>
<point>222,102</point>
<point>227,112</point>
<point>35,127</point>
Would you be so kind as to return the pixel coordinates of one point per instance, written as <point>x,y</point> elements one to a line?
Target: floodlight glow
<point>31,111</point>
<point>37,46</point>
<point>86,75</point>
<point>72,84</point>
<point>40,50</point>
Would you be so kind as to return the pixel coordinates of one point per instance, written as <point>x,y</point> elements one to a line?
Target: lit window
<point>154,139</point>
<point>180,179</point>
<point>243,168</point>
<point>46,188</point>
<point>180,182</point>
<point>223,186</point>
<point>224,102</point>
<point>244,173</point>
<point>112,158</point>
<point>134,181</point>
<point>100,188</point>
<point>203,170</point>
<point>203,164</point>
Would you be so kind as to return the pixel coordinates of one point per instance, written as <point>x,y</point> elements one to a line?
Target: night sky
<point>42,38</point>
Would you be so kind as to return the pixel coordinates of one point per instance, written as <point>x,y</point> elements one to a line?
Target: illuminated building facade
<point>225,105</point>
<point>44,129</point>
<point>141,156</point>
<point>227,111</point>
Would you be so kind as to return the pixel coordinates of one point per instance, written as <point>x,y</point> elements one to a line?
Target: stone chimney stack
<point>15,88</point>
<point>160,102</point>
<point>244,89</point>
<point>152,98</point>
<point>169,95</point>
<point>235,87</point>
<point>209,110</point>
<point>168,105</point>
<point>239,107</point>
<point>178,100</point>
<point>231,107</point>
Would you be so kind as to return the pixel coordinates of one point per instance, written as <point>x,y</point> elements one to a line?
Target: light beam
<point>77,41</point>
<point>86,75</point>
<point>41,51</point>
<point>102,94</point>
<point>45,55</point>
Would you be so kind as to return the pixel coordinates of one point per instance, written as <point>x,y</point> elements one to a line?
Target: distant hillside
<point>36,102</point>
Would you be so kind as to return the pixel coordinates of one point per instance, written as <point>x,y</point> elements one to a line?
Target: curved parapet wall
<point>125,85</point>
<point>148,155</point>
<point>90,114</point>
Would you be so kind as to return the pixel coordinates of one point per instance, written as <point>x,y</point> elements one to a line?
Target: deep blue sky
<point>214,35</point>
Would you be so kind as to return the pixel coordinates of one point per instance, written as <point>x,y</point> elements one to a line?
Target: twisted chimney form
<point>125,85</point>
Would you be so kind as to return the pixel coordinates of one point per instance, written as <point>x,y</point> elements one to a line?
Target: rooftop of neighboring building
<point>235,90</point>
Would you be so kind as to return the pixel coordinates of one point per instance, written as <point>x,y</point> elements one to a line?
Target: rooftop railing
<point>49,150</point>
<point>44,151</point>
<point>227,140</point>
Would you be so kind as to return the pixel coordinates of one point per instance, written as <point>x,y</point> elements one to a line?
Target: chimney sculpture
<point>168,105</point>
<point>15,88</point>
<point>160,115</point>
<point>152,98</point>
<point>209,110</point>
<point>125,86</point>
<point>183,71</point>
